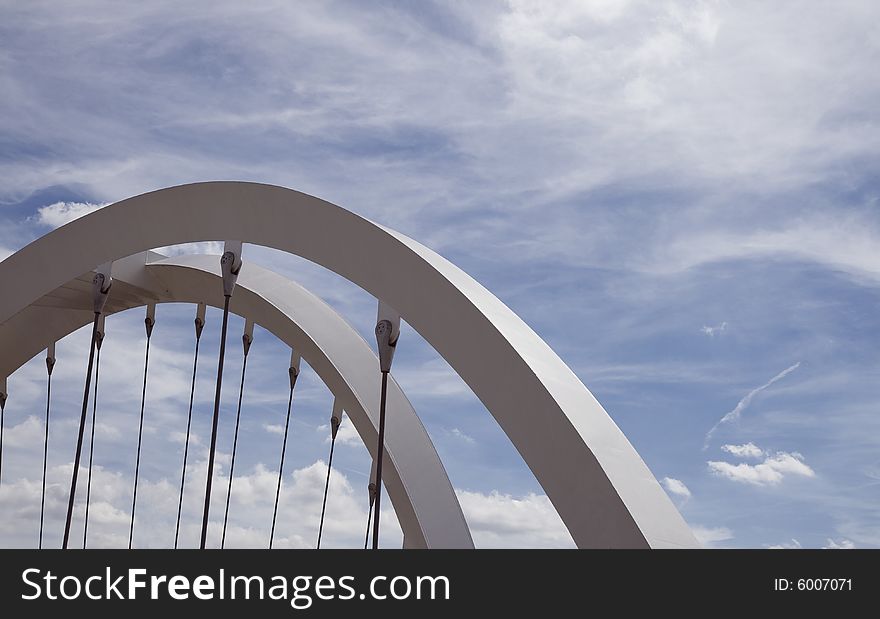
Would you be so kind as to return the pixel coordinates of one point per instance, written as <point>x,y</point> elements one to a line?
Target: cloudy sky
<point>680,197</point>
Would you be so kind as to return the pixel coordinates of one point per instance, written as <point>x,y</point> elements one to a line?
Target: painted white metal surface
<point>602,489</point>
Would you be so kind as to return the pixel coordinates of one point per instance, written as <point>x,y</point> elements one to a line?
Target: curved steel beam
<point>423,498</point>
<point>597,482</point>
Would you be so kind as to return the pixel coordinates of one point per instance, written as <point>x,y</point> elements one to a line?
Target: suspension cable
<point>213,448</point>
<point>3,396</point>
<point>371,491</point>
<point>292,372</point>
<point>230,265</point>
<point>379,457</point>
<point>99,335</point>
<point>101,284</point>
<point>387,333</point>
<point>149,322</point>
<point>200,325</point>
<point>370,514</point>
<point>50,365</point>
<point>335,422</point>
<point>246,339</point>
<point>82,422</point>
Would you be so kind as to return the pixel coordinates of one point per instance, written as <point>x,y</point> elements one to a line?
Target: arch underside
<point>603,491</point>
<point>423,498</point>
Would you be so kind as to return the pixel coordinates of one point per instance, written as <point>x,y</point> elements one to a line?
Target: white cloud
<point>515,78</point>
<point>711,536</point>
<point>546,102</point>
<point>211,248</point>
<point>716,330</point>
<point>748,450</point>
<point>272,428</point>
<point>462,436</point>
<point>844,544</point>
<point>60,213</point>
<point>792,545</point>
<point>433,378</point>
<point>845,243</point>
<point>770,472</point>
<point>250,511</point>
<point>676,487</point>
<point>346,435</point>
<point>744,403</point>
<point>500,520</point>
<point>26,433</point>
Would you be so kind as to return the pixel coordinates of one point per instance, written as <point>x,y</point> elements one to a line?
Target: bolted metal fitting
<point>50,358</point>
<point>200,319</point>
<point>371,487</point>
<point>230,265</point>
<point>150,320</point>
<point>293,370</point>
<point>247,337</point>
<point>387,332</point>
<point>99,332</point>
<point>336,418</point>
<point>100,290</point>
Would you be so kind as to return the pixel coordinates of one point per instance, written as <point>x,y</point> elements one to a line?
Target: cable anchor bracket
<point>101,283</point>
<point>387,333</point>
<point>200,319</point>
<point>247,337</point>
<point>50,358</point>
<point>230,266</point>
<point>335,418</point>
<point>150,320</point>
<point>293,370</point>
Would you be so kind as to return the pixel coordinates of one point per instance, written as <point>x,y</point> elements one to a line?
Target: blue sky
<point>680,197</point>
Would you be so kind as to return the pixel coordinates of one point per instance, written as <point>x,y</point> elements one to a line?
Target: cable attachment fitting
<point>3,393</point>
<point>230,265</point>
<point>101,283</point>
<point>371,487</point>
<point>293,370</point>
<point>335,418</point>
<point>247,337</point>
<point>387,333</point>
<point>99,332</point>
<point>200,319</point>
<point>50,358</point>
<point>150,320</point>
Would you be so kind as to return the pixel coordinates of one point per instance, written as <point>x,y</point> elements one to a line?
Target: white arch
<point>597,482</point>
<point>423,498</point>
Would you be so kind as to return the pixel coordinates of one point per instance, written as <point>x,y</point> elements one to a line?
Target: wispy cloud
<point>713,331</point>
<point>843,544</point>
<point>711,536</point>
<point>274,428</point>
<point>676,487</point>
<point>592,147</point>
<point>792,545</point>
<point>462,436</point>
<point>770,472</point>
<point>748,450</point>
<point>744,403</point>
